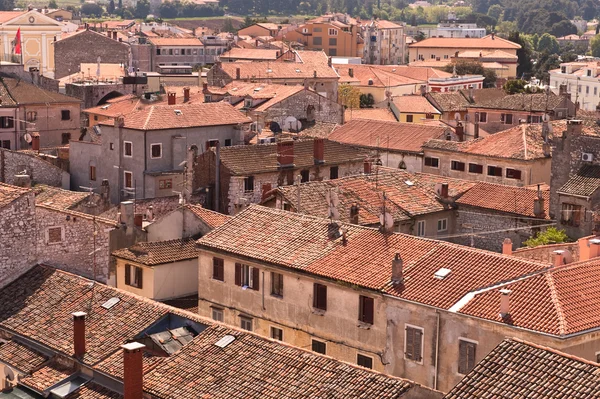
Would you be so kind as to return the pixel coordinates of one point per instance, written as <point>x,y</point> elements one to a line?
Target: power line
<point>491,231</point>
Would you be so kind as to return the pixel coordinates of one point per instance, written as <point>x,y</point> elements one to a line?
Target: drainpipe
<point>263,291</point>
<point>437,351</point>
<point>217,176</point>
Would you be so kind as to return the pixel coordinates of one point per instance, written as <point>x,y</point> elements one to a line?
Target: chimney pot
<point>559,258</point>
<point>35,141</point>
<point>460,131</point>
<point>186,94</point>
<point>397,272</point>
<point>351,72</point>
<point>172,98</point>
<point>204,87</point>
<point>319,151</point>
<point>507,246</point>
<point>138,219</point>
<point>79,334</point>
<point>504,302</point>
<point>238,73</point>
<point>574,127</point>
<point>133,373</point>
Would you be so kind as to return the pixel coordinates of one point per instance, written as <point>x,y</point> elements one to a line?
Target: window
<point>366,309</point>
<point>466,356</point>
<point>317,41</point>
<point>277,333</point>
<point>156,150</point>
<point>227,142</point>
<point>598,357</point>
<point>304,175</point>
<point>442,225</point>
<point>432,162</point>
<point>128,179</point>
<point>277,284</point>
<point>587,89</point>
<point>364,361</point>
<point>570,214</point>
<point>7,122</point>
<point>247,276</point>
<point>513,174</point>
<point>31,116</point>
<point>249,184</point>
<point>111,146</point>
<point>248,103</point>
<point>207,98</point>
<point>494,171</point>
<point>54,235</point>
<point>483,117</point>
<point>92,173</point>
<point>157,51</point>
<point>333,41</point>
<point>319,347</point>
<point>317,29</point>
<point>534,119</point>
<point>475,168</point>
<point>164,184</point>
<point>409,118</point>
<point>65,114</point>
<point>421,228</point>
<point>413,343</point>
<point>507,119</point>
<point>5,144</point>
<point>456,165</point>
<point>218,269</point>
<point>333,53</point>
<point>589,72</point>
<point>133,276</point>
<point>128,148</point>
<point>65,138</point>
<point>333,172</point>
<point>333,32</point>
<point>246,323</point>
<point>217,314</point>
<point>595,90</point>
<point>212,143</point>
<point>320,296</point>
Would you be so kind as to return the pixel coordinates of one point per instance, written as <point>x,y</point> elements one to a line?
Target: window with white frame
<point>277,333</point>
<point>442,225</point>
<point>421,228</point>
<point>413,343</point>
<point>217,314</point>
<point>128,148</point>
<point>128,179</point>
<point>156,150</point>
<point>55,235</point>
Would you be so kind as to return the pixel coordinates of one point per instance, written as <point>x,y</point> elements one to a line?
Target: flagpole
<point>21,47</point>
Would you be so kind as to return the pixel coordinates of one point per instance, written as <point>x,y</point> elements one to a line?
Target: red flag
<point>17,43</point>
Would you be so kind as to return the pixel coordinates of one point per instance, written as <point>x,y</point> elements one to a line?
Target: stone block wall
<point>17,238</point>
<point>322,109</point>
<point>40,171</point>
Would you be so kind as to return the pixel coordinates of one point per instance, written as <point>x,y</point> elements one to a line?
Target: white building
<point>581,80</point>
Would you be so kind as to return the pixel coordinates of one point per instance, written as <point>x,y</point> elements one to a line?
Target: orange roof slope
<point>373,75</point>
<point>251,54</point>
<point>414,105</point>
<point>159,252</point>
<point>378,114</point>
<point>211,218</point>
<point>395,136</point>
<point>487,42</point>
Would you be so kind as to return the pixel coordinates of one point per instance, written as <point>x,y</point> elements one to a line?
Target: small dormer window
<point>563,69</point>
<point>248,103</point>
<point>589,72</point>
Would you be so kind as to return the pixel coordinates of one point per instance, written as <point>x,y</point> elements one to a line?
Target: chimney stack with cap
<point>319,151</point>
<point>444,191</point>
<point>538,205</point>
<point>186,94</point>
<point>559,258</point>
<point>476,126</point>
<point>35,141</point>
<point>172,98</point>
<point>79,334</point>
<point>574,127</point>
<point>460,131</point>
<point>238,73</point>
<point>507,246</point>
<point>354,210</point>
<point>204,87</point>
<point>397,272</point>
<point>127,217</point>
<point>351,72</point>
<point>504,303</point>
<point>285,154</point>
<point>133,373</point>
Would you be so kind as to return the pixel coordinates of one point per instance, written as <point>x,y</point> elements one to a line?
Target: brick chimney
<point>367,166</point>
<point>559,257</point>
<point>504,303</point>
<point>204,87</point>
<point>138,220</point>
<point>114,35</point>
<point>444,191</point>
<point>238,73</point>
<point>476,126</point>
<point>460,131</point>
<point>79,334</point>
<point>22,180</point>
<point>397,272</point>
<point>285,154</point>
<point>35,141</point>
<point>354,211</point>
<point>186,94</point>
<point>574,127</point>
<point>133,373</point>
<point>319,151</point>
<point>507,246</point>
<point>172,98</point>
<point>351,72</point>
<point>538,205</point>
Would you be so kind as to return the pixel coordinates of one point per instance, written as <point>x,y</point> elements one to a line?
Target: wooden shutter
<point>255,278</point>
<point>218,269</point>
<point>462,357</point>
<point>470,356</point>
<point>320,296</point>
<point>366,309</point>
<point>315,295</point>
<point>139,272</point>
<point>410,352</point>
<point>127,274</point>
<point>417,344</point>
<point>238,274</point>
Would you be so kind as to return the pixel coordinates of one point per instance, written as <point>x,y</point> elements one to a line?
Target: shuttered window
<point>218,269</point>
<point>466,356</point>
<point>414,344</point>
<point>247,276</point>
<point>365,313</point>
<point>133,276</point>
<point>320,296</point>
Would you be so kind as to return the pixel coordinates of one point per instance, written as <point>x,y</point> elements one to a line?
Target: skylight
<point>442,273</point>
<point>111,302</point>
<point>226,340</point>
<point>409,183</point>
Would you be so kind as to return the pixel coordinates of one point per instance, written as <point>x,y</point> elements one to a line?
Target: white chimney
<point>504,302</point>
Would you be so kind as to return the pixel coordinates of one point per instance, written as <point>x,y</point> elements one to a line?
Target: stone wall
<point>298,105</point>
<point>17,238</point>
<point>41,172</point>
<point>545,253</point>
<point>68,54</point>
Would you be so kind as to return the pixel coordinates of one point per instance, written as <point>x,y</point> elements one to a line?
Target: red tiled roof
<point>498,197</point>
<point>395,136</point>
<point>9,193</point>
<point>378,114</point>
<point>519,369</point>
<point>158,117</point>
<point>57,197</point>
<point>376,75</point>
<point>21,357</point>
<point>47,376</point>
<point>211,218</point>
<point>159,252</point>
<point>175,41</point>
<point>91,390</point>
<point>251,54</point>
<point>6,16</point>
<point>419,73</point>
<point>488,42</point>
<point>414,105</point>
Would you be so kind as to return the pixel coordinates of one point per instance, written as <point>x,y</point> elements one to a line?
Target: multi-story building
<point>335,34</point>
<point>262,29</point>
<point>384,43</point>
<point>579,81</point>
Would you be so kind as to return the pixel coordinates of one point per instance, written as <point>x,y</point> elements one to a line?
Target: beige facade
<point>334,40</point>
<point>38,32</point>
<point>384,43</point>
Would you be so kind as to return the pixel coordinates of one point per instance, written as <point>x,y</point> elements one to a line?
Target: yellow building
<point>414,109</point>
<point>38,32</point>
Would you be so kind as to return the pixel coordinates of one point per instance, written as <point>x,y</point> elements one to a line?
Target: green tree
<point>92,10</point>
<point>514,86</point>
<point>563,28</point>
<point>366,100</point>
<point>595,45</point>
<point>550,236</point>
<point>495,11</point>
<point>52,4</point>
<point>120,4</point>
<point>548,43</point>
<point>468,67</point>
<point>349,96</point>
<point>111,7</point>
<point>142,9</point>
<point>524,54</point>
<point>228,26</point>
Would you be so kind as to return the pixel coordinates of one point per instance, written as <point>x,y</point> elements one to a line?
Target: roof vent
<point>178,112</point>
<point>409,183</point>
<point>442,273</point>
<point>111,302</point>
<point>105,106</point>
<point>225,341</point>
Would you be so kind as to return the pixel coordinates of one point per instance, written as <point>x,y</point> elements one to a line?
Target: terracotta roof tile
<point>9,193</point>
<point>25,93</point>
<point>21,357</point>
<point>318,130</point>
<point>417,73</point>
<point>379,114</point>
<point>262,158</point>
<point>487,42</point>
<point>57,197</point>
<point>6,16</point>
<point>175,41</point>
<point>395,136</point>
<point>524,102</point>
<point>211,218</point>
<point>584,183</point>
<point>159,252</point>
<point>414,104</point>
<point>373,75</point>
<point>181,116</point>
<point>92,390</point>
<point>251,54</point>
<point>449,101</point>
<point>47,376</point>
<point>519,369</point>
<point>498,197</point>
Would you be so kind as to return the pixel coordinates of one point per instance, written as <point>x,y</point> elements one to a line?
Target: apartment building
<point>579,81</point>
<point>385,43</point>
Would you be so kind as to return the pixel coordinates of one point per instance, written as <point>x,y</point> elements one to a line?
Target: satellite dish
<point>8,378</point>
<point>27,138</point>
<point>387,221</point>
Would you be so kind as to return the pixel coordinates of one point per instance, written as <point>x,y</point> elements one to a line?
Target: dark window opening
<point>475,168</point>
<point>320,296</point>
<point>319,347</point>
<point>494,171</point>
